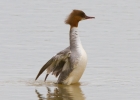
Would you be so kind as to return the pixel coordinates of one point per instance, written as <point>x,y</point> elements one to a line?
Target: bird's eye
<point>82,14</point>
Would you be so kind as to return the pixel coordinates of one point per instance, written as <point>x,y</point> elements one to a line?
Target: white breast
<point>78,70</point>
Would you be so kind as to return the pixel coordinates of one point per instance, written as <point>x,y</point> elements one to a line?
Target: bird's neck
<point>75,41</point>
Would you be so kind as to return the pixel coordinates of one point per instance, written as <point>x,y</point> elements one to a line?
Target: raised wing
<point>56,64</point>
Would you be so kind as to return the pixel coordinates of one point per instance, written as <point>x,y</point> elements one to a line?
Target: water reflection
<point>62,92</point>
<point>40,96</point>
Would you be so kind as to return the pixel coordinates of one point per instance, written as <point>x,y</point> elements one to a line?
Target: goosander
<point>69,64</point>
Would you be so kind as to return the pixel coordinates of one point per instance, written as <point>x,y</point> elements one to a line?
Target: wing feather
<point>66,71</point>
<point>56,63</point>
<point>44,67</point>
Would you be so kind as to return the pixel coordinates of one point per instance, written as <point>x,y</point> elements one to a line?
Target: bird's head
<point>76,16</point>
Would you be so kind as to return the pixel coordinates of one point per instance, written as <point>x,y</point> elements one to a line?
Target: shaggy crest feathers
<point>74,17</point>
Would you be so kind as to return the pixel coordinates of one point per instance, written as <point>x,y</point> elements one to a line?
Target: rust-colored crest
<point>74,17</point>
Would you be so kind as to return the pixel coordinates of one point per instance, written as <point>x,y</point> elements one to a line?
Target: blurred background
<point>32,31</point>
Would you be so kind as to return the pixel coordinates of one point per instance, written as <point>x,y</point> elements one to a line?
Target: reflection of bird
<point>69,63</point>
<point>39,95</point>
<point>62,92</point>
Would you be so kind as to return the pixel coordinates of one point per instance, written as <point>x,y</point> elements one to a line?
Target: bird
<point>69,64</point>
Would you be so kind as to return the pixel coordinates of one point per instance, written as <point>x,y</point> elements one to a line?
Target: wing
<point>56,63</point>
<point>68,67</point>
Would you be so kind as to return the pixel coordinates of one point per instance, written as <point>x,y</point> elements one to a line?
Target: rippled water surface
<point>32,31</point>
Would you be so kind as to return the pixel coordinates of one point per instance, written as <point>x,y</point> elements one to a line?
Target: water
<point>32,31</point>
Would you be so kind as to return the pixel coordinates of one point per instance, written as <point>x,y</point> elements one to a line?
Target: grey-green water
<point>32,31</point>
